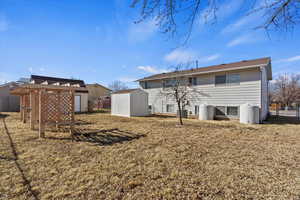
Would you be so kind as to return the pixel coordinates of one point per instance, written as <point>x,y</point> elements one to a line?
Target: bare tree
<point>171,14</point>
<point>286,89</point>
<point>117,85</point>
<point>178,88</point>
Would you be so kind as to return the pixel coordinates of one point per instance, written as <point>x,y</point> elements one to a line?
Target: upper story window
<point>193,81</point>
<point>227,79</point>
<point>233,79</point>
<point>169,83</point>
<point>220,80</point>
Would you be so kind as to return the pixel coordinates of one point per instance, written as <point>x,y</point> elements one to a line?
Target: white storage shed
<point>129,103</point>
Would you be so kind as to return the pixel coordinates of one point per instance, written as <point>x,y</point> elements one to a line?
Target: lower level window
<point>232,110</point>
<point>220,110</point>
<point>170,108</point>
<point>227,110</point>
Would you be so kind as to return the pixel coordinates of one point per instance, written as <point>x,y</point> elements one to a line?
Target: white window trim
<point>172,105</point>
<point>227,83</point>
<point>226,115</point>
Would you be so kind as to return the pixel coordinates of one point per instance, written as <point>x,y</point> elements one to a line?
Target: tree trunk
<point>180,113</point>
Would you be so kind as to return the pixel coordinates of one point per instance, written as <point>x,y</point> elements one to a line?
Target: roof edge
<point>190,72</point>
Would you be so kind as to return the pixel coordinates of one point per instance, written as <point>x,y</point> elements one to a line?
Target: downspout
<point>261,102</point>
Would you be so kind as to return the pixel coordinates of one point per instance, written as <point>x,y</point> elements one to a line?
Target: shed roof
<point>98,85</point>
<point>245,64</point>
<point>125,91</point>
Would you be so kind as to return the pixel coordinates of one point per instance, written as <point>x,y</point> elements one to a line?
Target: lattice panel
<point>52,107</point>
<point>57,107</point>
<point>66,107</point>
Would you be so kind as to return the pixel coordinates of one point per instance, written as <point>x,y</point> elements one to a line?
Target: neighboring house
<point>81,95</point>
<point>96,91</point>
<point>225,86</point>
<point>8,102</point>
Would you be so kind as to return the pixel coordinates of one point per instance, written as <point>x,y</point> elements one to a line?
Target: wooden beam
<point>32,109</point>
<point>41,115</point>
<point>24,109</point>
<point>72,113</point>
<point>21,108</point>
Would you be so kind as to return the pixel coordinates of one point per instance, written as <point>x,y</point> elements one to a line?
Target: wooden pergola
<point>45,105</point>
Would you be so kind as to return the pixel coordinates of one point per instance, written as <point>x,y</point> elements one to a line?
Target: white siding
<point>248,91</point>
<point>84,101</point>
<point>139,103</point>
<point>120,104</point>
<point>8,102</point>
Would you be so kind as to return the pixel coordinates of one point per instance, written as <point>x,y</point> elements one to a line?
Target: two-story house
<point>225,86</point>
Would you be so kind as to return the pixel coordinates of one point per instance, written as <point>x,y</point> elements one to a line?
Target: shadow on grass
<point>93,112</point>
<point>101,137</point>
<point>7,158</point>
<point>81,122</point>
<point>15,158</point>
<point>282,120</point>
<point>3,116</point>
<point>162,116</point>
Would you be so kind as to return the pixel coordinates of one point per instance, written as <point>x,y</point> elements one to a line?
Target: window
<point>170,108</point>
<point>233,79</point>
<point>232,110</point>
<point>220,110</point>
<point>196,110</point>
<point>227,110</point>
<point>193,81</point>
<point>227,79</point>
<point>146,84</point>
<point>220,80</point>
<point>169,83</point>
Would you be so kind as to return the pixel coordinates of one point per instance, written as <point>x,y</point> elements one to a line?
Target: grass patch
<point>150,158</point>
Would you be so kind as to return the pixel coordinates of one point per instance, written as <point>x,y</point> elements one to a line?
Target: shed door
<point>77,103</point>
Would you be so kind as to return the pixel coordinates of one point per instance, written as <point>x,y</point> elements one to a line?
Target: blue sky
<point>98,42</point>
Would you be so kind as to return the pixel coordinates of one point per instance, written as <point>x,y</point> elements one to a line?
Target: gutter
<point>206,72</point>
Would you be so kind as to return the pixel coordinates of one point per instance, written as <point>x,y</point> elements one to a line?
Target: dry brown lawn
<point>150,158</point>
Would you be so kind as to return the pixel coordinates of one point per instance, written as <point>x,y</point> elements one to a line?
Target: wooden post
<point>32,109</point>
<point>21,107</point>
<point>72,113</point>
<point>41,115</point>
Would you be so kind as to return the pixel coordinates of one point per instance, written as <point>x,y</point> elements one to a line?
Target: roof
<point>245,64</point>
<point>99,85</point>
<point>9,84</point>
<point>125,91</point>
<point>25,88</point>
<point>51,80</point>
